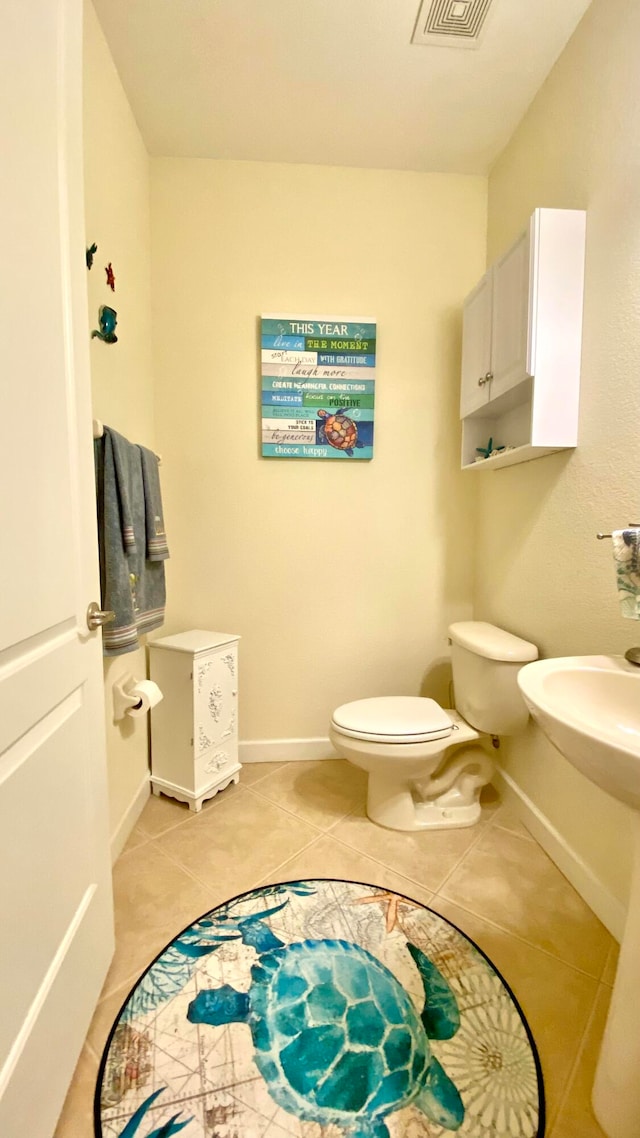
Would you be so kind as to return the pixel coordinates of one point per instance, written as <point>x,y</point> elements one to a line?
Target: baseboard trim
<point>606,907</point>
<point>285,750</point>
<point>130,817</point>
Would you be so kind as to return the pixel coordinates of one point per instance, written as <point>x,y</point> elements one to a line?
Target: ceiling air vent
<point>450,23</point>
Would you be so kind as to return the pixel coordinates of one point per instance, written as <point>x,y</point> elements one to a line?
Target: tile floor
<point>296,820</point>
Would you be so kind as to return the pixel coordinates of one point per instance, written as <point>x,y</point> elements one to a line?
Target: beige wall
<point>117,218</point>
<point>541,571</point>
<point>341,577</point>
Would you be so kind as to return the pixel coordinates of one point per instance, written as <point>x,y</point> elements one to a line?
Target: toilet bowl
<point>427,764</point>
<point>403,792</point>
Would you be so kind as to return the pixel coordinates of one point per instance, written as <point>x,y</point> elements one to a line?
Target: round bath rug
<point>320,1009</point>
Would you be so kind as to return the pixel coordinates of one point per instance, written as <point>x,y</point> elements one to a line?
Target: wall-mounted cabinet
<point>522,335</point>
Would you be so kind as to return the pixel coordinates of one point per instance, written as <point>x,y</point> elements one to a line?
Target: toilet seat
<point>393,719</point>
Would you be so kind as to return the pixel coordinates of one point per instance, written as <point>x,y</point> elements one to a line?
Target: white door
<point>56,935</point>
<point>510,333</point>
<point>476,346</point>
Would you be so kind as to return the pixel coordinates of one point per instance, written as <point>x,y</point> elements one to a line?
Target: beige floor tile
<point>105,1016</point>
<point>136,838</point>
<point>154,899</point>
<point>556,999</point>
<point>611,964</point>
<point>318,792</point>
<point>576,1118</point>
<point>232,847</point>
<point>490,801</point>
<point>76,1119</point>
<point>162,813</point>
<point>254,772</point>
<point>506,817</point>
<point>427,857</point>
<point>328,858</point>
<point>513,883</point>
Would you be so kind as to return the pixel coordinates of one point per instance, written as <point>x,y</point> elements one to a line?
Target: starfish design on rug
<point>393,901</point>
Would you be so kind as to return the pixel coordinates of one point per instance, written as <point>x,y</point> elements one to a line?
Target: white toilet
<point>428,765</point>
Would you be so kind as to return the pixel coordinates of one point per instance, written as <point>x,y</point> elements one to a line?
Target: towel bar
<point>98,432</point>
<point>631,525</point>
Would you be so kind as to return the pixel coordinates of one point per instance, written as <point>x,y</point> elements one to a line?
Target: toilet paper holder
<point>125,698</point>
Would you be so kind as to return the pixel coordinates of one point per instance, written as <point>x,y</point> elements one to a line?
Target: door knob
<point>96,616</point>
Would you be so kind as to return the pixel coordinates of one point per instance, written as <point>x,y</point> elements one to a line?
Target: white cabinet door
<point>510,317</point>
<point>476,346</point>
<point>56,933</point>
<point>215,694</point>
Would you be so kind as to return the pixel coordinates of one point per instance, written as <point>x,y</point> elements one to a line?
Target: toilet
<point>428,764</point>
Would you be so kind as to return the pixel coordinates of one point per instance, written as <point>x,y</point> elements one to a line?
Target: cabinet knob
<point>488,377</point>
<point>481,382</point>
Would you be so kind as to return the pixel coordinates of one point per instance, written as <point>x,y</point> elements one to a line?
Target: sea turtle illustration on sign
<point>337,1038</point>
<point>340,431</point>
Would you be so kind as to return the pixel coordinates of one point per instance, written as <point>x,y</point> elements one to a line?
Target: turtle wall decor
<point>339,431</point>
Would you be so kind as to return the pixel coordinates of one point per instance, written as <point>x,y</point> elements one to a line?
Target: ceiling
<point>332,82</point>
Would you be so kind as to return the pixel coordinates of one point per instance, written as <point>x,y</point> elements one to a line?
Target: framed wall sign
<point>318,378</point>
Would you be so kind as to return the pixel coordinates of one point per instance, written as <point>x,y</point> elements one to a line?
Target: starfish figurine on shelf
<point>489,449</point>
<point>393,901</point>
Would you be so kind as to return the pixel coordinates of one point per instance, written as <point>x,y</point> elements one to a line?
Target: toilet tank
<point>485,661</point>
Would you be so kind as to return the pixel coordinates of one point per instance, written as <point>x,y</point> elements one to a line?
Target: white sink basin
<point>589,707</point>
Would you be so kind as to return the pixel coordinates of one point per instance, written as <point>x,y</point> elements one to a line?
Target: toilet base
<point>398,805</point>
<point>433,816</point>
<point>432,785</point>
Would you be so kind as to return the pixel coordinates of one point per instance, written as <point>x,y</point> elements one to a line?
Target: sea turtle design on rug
<point>337,1038</point>
<point>340,431</point>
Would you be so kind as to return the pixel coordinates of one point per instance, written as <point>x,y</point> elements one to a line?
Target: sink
<point>589,707</point>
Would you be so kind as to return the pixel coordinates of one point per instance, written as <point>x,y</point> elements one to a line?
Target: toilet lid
<point>393,719</point>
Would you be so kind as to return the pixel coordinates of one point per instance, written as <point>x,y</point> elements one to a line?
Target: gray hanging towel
<point>121,448</point>
<point>132,586</point>
<point>157,548</point>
